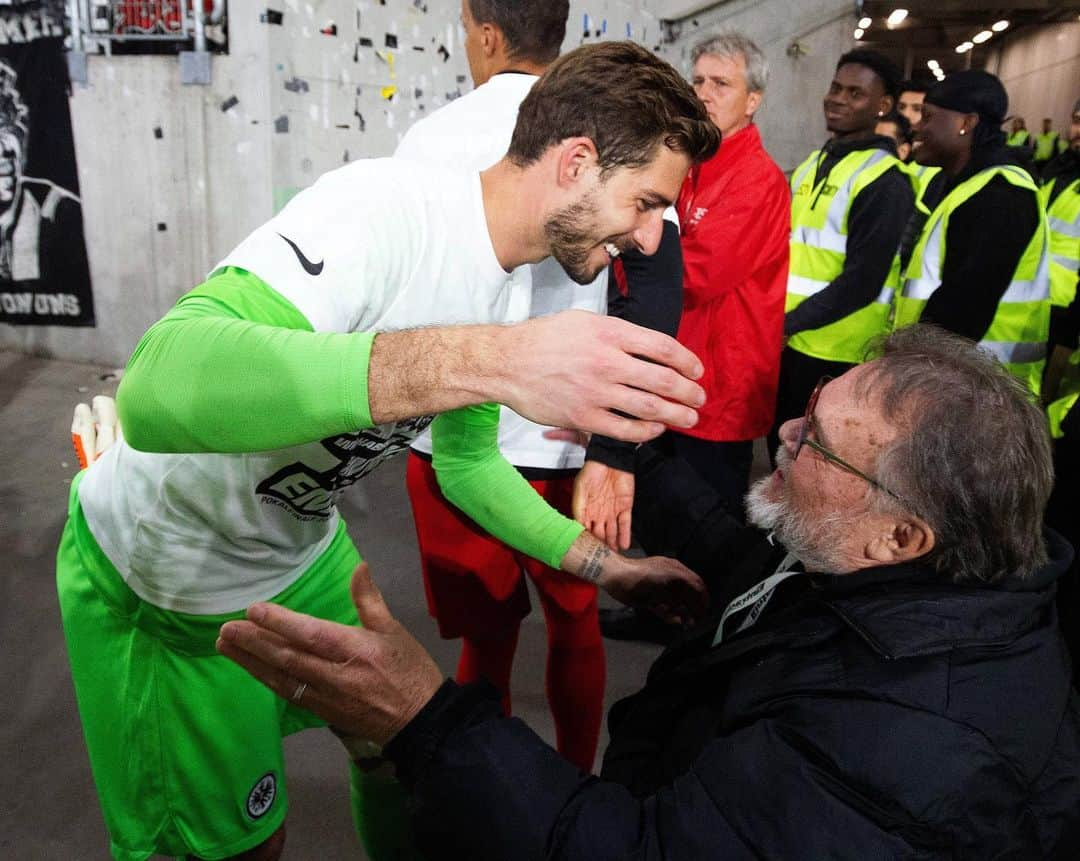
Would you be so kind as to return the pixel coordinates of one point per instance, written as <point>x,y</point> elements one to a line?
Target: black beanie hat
<point>972,92</point>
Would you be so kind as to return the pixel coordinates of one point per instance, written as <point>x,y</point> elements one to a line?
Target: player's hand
<point>574,368</point>
<point>94,429</point>
<point>603,503</point>
<point>367,682</point>
<point>666,586</point>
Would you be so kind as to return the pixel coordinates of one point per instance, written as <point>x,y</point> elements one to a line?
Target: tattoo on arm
<point>594,563</point>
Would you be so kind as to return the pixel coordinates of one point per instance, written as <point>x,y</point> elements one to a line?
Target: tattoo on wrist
<point>594,563</point>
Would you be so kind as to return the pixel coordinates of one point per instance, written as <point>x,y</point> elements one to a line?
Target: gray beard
<point>810,539</point>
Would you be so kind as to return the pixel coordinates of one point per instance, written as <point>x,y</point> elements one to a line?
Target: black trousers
<point>799,373</point>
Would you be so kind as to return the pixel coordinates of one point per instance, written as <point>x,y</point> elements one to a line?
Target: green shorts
<point>184,745</point>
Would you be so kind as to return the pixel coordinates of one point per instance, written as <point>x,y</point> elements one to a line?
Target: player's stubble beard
<point>568,232</point>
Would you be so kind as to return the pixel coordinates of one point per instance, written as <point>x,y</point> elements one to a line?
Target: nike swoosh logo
<point>309,267</point>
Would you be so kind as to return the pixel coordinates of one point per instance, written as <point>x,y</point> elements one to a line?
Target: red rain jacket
<point>735,216</point>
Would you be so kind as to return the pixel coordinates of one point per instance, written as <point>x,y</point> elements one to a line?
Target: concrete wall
<point>1041,70</point>
<point>160,206</point>
<point>309,99</point>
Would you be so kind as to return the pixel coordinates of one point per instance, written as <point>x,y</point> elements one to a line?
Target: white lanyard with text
<point>758,597</point>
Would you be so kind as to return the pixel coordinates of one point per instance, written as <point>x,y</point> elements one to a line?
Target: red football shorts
<point>474,582</point>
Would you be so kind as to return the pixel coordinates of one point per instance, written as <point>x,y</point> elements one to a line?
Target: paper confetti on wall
<point>402,59</point>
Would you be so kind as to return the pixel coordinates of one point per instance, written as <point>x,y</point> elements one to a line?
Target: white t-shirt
<point>474,131</point>
<point>401,245</point>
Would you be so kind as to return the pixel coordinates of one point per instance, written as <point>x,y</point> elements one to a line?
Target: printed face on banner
<point>44,274</point>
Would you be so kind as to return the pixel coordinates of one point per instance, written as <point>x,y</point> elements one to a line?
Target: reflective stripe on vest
<point>1063,216</point>
<point>819,248</point>
<point>1020,326</point>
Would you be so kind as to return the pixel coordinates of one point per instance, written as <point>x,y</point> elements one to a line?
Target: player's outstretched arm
<point>474,476</point>
<point>568,370</point>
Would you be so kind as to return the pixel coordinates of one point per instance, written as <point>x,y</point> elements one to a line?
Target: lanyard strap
<point>757,598</point>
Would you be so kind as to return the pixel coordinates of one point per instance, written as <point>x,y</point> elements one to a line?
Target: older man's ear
<point>900,541</point>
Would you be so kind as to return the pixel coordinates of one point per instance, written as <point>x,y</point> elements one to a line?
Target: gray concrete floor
<point>48,809</point>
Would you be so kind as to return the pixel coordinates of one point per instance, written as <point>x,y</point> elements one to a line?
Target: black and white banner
<point>44,276</point>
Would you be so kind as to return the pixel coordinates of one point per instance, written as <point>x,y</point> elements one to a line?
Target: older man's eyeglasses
<point>804,439</point>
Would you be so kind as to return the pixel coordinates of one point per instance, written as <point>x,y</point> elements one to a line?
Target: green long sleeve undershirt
<point>235,367</point>
<point>476,478</point>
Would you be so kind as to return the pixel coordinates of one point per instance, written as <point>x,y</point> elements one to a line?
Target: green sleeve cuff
<point>474,476</point>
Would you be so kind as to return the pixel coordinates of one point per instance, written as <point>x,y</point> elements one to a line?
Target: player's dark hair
<point>621,96</point>
<point>914,87</point>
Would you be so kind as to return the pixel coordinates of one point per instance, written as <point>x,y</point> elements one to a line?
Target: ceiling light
<point>1000,26</point>
<point>864,23</point>
<point>964,48</point>
<point>896,18</point>
<point>859,33</point>
<point>981,36</point>
<point>933,64</point>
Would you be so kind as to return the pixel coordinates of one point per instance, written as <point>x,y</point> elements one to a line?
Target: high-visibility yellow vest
<point>1069,393</point>
<point>1046,146</point>
<point>1021,325</point>
<point>1063,216</point>
<point>1019,138</point>
<point>819,227</point>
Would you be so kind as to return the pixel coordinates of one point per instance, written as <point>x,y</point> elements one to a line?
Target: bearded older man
<point>884,676</point>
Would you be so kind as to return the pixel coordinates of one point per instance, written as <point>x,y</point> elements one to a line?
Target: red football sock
<point>576,673</point>
<point>492,659</point>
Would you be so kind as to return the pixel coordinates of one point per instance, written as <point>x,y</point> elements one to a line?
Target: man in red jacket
<point>735,212</point>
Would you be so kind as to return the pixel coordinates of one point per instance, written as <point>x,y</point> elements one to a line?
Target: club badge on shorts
<point>262,795</point>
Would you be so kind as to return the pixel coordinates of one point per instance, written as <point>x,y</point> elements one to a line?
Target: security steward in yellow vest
<point>850,202</point>
<point>1019,137</point>
<point>1048,145</point>
<point>981,265</point>
<point>1060,195</point>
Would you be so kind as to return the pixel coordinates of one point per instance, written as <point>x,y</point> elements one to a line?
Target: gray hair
<point>732,45</point>
<point>973,458</point>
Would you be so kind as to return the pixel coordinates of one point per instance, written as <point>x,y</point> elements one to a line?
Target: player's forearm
<point>474,476</point>
<point>572,369</point>
<point>430,371</point>
<point>592,560</point>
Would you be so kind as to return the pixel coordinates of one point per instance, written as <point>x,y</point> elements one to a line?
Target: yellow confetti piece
<point>388,58</point>
<point>388,92</point>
